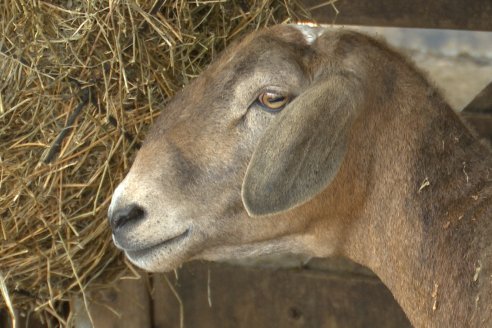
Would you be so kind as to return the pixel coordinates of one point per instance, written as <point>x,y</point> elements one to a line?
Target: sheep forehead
<point>266,40</point>
<point>310,31</point>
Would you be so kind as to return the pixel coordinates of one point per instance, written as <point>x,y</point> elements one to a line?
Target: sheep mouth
<point>163,244</point>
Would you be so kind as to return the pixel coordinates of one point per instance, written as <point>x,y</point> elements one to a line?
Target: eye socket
<point>272,101</point>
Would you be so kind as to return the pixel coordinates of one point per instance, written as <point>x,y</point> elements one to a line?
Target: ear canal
<point>302,151</point>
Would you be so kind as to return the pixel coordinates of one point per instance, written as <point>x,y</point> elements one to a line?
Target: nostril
<point>122,216</point>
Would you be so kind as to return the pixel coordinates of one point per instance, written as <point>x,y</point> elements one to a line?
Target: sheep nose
<point>121,216</point>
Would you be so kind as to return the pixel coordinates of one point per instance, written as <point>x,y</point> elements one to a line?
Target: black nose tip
<point>122,216</point>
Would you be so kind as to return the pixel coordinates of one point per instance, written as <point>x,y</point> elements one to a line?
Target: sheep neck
<point>426,229</point>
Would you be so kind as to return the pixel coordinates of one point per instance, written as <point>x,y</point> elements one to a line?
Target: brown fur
<point>368,162</point>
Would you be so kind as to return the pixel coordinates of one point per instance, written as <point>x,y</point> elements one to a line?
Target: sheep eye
<point>273,101</point>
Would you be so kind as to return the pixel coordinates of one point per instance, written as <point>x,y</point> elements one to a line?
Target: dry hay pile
<point>79,83</point>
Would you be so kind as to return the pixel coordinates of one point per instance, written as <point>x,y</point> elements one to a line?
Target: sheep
<point>321,142</point>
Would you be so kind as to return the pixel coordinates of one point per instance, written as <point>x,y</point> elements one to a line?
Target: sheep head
<point>247,158</point>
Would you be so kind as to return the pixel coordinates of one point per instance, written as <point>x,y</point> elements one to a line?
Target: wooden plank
<point>447,14</point>
<point>481,123</point>
<point>478,113</point>
<point>254,297</point>
<point>123,304</point>
<point>482,103</point>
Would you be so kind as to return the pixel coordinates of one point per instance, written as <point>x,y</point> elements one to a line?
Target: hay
<point>79,83</point>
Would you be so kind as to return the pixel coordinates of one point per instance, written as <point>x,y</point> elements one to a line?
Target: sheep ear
<point>301,152</point>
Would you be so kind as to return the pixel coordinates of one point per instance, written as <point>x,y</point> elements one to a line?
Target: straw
<point>80,82</point>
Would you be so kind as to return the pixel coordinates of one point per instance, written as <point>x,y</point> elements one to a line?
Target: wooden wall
<point>220,295</point>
